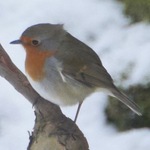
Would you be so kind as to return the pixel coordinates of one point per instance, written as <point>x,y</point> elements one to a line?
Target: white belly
<point>46,91</point>
<point>59,92</point>
<point>59,89</point>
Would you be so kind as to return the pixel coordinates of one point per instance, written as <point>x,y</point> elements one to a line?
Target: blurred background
<point>119,32</point>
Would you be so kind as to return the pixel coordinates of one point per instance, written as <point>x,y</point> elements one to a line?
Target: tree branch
<point>52,130</point>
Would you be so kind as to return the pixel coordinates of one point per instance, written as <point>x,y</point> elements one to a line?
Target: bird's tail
<point>124,99</point>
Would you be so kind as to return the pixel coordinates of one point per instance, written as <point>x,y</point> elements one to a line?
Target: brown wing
<point>93,75</point>
<point>81,63</point>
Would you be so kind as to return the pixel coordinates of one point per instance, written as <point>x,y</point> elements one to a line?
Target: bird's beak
<point>16,42</point>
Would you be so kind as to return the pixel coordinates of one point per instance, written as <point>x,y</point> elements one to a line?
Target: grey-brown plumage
<point>73,72</point>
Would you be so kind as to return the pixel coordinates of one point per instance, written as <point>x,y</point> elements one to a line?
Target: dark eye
<point>35,42</point>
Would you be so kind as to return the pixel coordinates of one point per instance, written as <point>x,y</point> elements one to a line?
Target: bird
<point>64,70</point>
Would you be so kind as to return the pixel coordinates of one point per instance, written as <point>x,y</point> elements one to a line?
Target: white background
<point>119,45</point>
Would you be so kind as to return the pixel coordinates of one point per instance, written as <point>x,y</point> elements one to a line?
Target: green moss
<point>138,10</point>
<point>122,117</point>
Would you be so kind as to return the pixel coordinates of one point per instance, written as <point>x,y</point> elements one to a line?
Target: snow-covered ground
<point>120,45</point>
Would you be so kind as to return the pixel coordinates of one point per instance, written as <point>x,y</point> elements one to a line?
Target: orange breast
<point>35,62</point>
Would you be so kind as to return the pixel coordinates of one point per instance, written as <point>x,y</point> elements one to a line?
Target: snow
<point>120,45</point>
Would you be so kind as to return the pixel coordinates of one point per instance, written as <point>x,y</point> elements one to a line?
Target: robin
<point>64,70</point>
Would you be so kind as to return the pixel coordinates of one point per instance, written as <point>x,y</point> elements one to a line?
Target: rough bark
<point>52,130</point>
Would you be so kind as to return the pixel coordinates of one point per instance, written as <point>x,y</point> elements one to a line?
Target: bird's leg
<point>79,106</point>
<point>67,133</point>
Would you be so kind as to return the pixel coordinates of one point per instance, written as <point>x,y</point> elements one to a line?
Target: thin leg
<point>79,106</point>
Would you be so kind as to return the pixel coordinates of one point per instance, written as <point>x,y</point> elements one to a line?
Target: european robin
<point>64,70</point>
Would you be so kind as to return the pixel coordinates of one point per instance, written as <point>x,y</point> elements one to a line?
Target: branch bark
<point>52,129</point>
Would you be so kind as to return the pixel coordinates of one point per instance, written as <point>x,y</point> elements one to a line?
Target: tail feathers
<point>124,99</point>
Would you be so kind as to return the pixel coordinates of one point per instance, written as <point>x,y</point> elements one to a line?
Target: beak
<point>16,42</point>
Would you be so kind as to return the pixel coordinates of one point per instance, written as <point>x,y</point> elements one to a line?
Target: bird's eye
<point>35,42</point>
